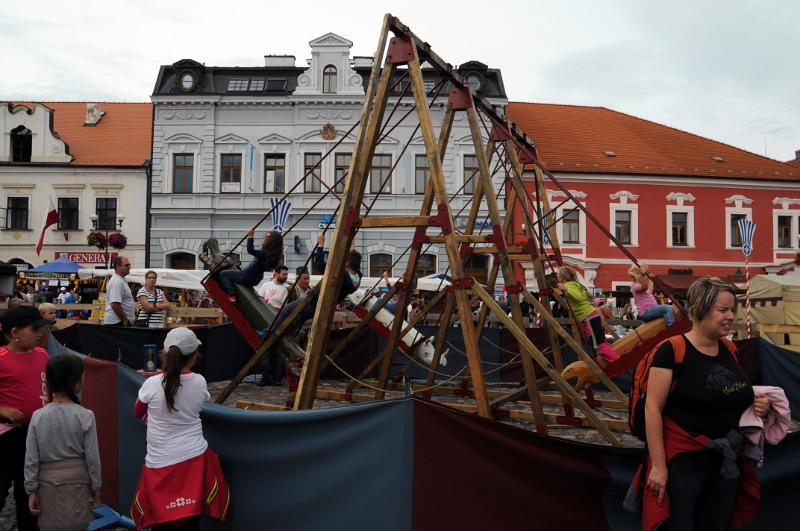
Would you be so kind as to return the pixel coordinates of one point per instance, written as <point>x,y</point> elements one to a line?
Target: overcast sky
<point>725,70</point>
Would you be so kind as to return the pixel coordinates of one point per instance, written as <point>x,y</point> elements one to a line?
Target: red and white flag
<point>50,218</point>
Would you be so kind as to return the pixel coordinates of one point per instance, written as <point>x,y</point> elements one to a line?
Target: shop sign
<point>461,223</point>
<point>327,221</point>
<point>687,271</point>
<point>88,257</point>
<point>736,276</point>
<point>231,187</point>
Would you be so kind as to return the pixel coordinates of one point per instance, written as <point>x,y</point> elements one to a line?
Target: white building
<point>91,160</point>
<point>229,140</point>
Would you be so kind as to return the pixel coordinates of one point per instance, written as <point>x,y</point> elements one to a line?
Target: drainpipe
<point>148,167</point>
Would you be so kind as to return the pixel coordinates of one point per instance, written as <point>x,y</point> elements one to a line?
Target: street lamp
<point>119,219</point>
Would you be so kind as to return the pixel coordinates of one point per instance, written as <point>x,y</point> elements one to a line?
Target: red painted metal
<point>496,237</point>
<point>348,395</point>
<point>401,286</point>
<point>464,390</point>
<point>442,219</point>
<point>233,313</point>
<point>499,132</point>
<point>515,289</point>
<point>465,250</point>
<point>524,158</point>
<point>382,329</point>
<point>459,99</point>
<point>461,283</point>
<point>590,400</point>
<point>420,238</point>
<point>351,221</point>
<point>546,291</point>
<point>401,50</point>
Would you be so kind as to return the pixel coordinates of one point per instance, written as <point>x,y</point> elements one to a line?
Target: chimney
<point>279,60</point>
<point>362,62</point>
<point>93,114</point>
<point>797,154</point>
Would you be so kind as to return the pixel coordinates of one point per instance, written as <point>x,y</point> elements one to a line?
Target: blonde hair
<point>634,271</point>
<point>46,306</point>
<point>568,274</point>
<point>702,296</point>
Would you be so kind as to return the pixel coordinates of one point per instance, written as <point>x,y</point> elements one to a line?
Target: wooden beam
<point>258,406</point>
<point>461,238</point>
<point>395,221</point>
<point>552,419</point>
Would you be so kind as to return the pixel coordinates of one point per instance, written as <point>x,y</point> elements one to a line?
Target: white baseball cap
<point>184,339</point>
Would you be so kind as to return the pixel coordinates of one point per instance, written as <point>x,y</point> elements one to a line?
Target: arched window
<point>329,80</point>
<point>182,261</point>
<point>426,265</point>
<point>21,144</point>
<point>378,263</point>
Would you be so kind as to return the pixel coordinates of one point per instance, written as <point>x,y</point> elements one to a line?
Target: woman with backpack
<point>696,479</point>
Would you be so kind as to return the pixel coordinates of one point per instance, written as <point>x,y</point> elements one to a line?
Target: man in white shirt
<point>62,295</point>
<point>275,291</point>
<point>120,308</point>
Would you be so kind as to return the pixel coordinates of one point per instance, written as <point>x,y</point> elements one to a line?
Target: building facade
<point>90,160</point>
<point>674,199</point>
<point>229,142</point>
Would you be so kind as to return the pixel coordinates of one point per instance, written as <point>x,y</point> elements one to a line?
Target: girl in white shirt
<point>178,458</point>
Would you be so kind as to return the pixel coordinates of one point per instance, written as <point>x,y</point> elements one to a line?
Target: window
<point>21,144</point>
<point>477,265</point>
<point>231,180</point>
<point>379,174</point>
<point>342,168</point>
<point>622,226</point>
<point>378,263</point>
<point>238,85</point>
<point>736,234</point>
<point>572,227</point>
<point>256,85</point>
<point>17,213</point>
<point>429,85</point>
<point>182,261</point>
<point>680,228</point>
<point>276,85</point>
<point>182,173</point>
<point>68,213</point>
<point>106,213</point>
<point>329,80</point>
<point>471,173</point>
<point>422,172</point>
<point>274,174</point>
<point>311,171</point>
<point>426,265</point>
<point>785,232</point>
<point>474,81</point>
<point>187,81</point>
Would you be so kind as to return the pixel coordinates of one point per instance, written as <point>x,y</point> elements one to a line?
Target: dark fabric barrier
<point>346,468</point>
<point>456,359</point>
<point>781,367</point>
<point>98,392</point>
<point>472,473</point>
<point>67,336</point>
<point>748,358</point>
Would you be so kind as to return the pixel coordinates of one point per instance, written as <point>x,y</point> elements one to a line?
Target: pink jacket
<point>775,427</point>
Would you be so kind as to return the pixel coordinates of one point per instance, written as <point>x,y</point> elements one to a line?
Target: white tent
<point>774,299</point>
<point>188,279</point>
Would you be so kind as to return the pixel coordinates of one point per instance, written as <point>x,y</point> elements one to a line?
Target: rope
<point>365,384</point>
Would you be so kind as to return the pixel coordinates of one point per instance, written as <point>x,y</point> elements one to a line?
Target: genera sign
<point>88,258</point>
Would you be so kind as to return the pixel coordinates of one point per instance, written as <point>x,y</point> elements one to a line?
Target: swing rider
<point>351,282</point>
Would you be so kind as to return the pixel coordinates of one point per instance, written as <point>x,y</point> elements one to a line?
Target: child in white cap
<point>179,464</point>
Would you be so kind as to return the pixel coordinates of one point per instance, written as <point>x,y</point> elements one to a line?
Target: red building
<point>672,197</point>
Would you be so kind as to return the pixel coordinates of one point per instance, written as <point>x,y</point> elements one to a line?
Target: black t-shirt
<point>711,393</point>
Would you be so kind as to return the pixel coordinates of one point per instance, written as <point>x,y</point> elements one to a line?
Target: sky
<point>729,71</point>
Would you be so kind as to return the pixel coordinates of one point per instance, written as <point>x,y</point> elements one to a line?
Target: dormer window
<point>187,81</point>
<point>21,144</point>
<point>238,85</point>
<point>329,80</point>
<point>474,81</point>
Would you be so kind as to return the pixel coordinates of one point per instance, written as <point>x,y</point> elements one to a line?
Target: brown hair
<point>148,274</point>
<point>272,244</point>
<point>568,274</point>
<point>174,363</point>
<point>702,296</point>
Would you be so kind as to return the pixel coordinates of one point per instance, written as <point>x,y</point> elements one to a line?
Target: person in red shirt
<point>22,391</point>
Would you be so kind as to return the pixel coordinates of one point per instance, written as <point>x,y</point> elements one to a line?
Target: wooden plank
<point>396,221</point>
<point>441,338</point>
<point>440,192</point>
<point>461,238</point>
<point>377,95</point>
<point>516,414</point>
<point>778,328</point>
<point>545,364</point>
<point>258,406</point>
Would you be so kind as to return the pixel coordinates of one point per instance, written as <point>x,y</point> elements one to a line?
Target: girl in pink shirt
<point>646,304</point>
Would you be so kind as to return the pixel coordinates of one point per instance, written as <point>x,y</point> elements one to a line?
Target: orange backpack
<point>638,391</point>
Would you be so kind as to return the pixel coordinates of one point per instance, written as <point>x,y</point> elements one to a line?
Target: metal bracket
<point>401,286</point>
<point>348,395</point>
<point>496,237</point>
<point>499,132</point>
<point>351,221</point>
<point>459,99</point>
<point>515,289</point>
<point>334,281</point>
<point>401,50</point>
<point>461,283</point>
<point>557,257</point>
<point>524,158</point>
<point>546,292</point>
<point>465,250</point>
<point>442,219</point>
<point>420,238</point>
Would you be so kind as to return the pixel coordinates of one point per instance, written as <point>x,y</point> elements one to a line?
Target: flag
<point>746,229</point>
<point>50,218</point>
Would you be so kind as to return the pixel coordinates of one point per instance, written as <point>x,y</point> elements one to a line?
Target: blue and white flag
<point>746,229</point>
<point>252,151</point>
<point>545,226</point>
<point>280,214</point>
